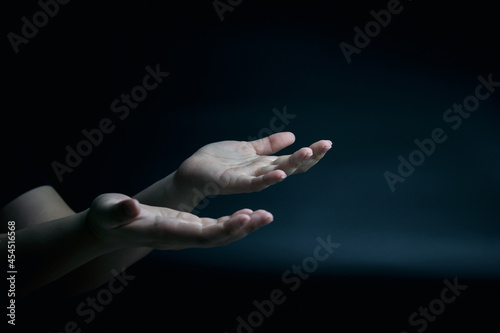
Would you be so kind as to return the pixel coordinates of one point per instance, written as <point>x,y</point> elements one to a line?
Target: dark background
<point>225,79</point>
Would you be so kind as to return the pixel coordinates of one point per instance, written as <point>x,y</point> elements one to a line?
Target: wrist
<point>188,195</point>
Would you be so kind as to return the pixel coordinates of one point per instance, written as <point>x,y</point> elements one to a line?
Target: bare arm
<point>44,221</point>
<point>44,204</point>
<point>230,166</point>
<point>164,193</point>
<point>47,251</point>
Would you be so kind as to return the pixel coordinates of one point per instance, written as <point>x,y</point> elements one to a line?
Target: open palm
<point>119,220</point>
<point>242,167</point>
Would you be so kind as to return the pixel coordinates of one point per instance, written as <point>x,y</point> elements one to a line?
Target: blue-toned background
<point>225,80</point>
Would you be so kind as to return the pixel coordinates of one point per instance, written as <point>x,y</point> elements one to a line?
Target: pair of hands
<point>234,167</point>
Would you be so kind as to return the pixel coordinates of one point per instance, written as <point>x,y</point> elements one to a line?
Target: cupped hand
<point>120,221</point>
<point>248,166</point>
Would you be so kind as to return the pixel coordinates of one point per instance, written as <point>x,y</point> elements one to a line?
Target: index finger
<point>273,143</point>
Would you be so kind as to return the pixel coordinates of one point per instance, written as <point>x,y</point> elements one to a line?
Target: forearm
<point>47,251</point>
<point>64,253</point>
<point>96,272</point>
<point>164,192</point>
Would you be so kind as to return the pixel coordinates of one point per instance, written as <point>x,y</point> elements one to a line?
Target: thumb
<point>124,211</point>
<point>113,210</point>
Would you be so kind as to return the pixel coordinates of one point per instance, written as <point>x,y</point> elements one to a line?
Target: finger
<point>188,217</point>
<point>216,234</point>
<point>273,143</point>
<point>243,211</point>
<point>128,208</point>
<point>270,168</point>
<point>238,224</point>
<point>290,163</point>
<point>115,209</point>
<point>299,156</point>
<point>319,149</point>
<point>174,233</point>
<point>230,225</point>
<point>257,220</point>
<point>178,234</point>
<point>249,184</point>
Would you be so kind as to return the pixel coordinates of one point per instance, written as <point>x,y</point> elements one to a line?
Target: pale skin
<point>76,252</point>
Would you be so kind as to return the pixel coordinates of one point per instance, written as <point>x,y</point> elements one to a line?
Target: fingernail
<point>327,148</point>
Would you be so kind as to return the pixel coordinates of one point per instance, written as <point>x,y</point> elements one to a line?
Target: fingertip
<point>285,138</point>
<point>291,135</point>
<point>245,218</point>
<point>308,153</point>
<point>274,177</point>
<point>321,147</point>
<point>301,155</point>
<point>281,175</point>
<point>328,146</point>
<point>130,207</point>
<point>264,216</point>
<point>269,218</point>
<point>238,221</point>
<point>243,211</point>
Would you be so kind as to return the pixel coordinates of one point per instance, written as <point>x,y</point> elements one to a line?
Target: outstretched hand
<point>242,167</point>
<point>120,221</point>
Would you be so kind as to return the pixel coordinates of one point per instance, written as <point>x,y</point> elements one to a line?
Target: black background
<point>225,78</point>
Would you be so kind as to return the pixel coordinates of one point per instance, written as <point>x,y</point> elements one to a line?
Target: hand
<point>243,167</point>
<point>120,221</point>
